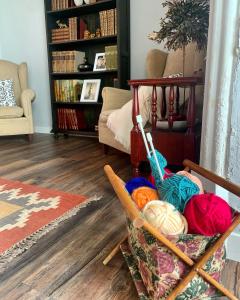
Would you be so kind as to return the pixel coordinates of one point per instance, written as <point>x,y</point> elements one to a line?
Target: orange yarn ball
<point>143,195</point>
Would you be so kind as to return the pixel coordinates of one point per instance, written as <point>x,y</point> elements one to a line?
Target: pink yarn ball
<point>194,179</point>
<point>208,214</point>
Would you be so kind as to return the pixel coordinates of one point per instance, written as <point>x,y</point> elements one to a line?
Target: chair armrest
<point>114,98</point>
<point>177,81</point>
<point>27,97</point>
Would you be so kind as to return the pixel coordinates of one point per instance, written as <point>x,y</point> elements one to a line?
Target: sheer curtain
<point>220,142</point>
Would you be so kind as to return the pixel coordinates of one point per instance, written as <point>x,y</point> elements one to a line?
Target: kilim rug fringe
<point>23,245</point>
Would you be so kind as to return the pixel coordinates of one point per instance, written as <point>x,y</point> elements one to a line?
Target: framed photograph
<point>100,62</point>
<point>90,90</point>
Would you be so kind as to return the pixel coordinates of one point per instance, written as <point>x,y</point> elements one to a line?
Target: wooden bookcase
<point>90,111</point>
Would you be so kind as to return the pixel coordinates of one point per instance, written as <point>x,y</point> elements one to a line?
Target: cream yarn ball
<point>194,179</point>
<point>163,216</point>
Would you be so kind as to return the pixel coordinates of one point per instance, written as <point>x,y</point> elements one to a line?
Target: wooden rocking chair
<point>196,268</point>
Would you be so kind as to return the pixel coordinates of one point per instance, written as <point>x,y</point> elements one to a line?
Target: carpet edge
<point>26,243</point>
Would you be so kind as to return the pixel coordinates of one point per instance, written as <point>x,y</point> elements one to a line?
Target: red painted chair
<point>174,135</point>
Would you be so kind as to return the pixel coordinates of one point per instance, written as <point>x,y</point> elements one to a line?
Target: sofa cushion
<point>6,93</point>
<point>104,115</point>
<point>10,112</point>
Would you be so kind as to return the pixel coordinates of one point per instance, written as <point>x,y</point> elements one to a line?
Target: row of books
<point>108,22</point>
<point>62,4</point>
<point>68,90</point>
<point>67,33</point>
<point>70,119</point>
<point>66,61</point>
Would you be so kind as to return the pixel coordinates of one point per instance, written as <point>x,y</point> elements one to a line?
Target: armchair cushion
<point>105,114</point>
<point>6,93</point>
<point>11,112</point>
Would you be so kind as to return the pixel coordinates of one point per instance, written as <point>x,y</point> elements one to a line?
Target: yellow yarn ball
<point>163,216</point>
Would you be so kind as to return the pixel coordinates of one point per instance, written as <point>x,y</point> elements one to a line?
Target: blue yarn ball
<point>137,182</point>
<point>178,190</point>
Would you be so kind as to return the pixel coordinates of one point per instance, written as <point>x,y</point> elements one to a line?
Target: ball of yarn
<point>208,214</point>
<point>165,217</point>
<point>177,190</point>
<point>137,182</point>
<point>194,179</point>
<point>143,195</point>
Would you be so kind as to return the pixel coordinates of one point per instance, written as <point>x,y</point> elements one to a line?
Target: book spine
<point>115,21</point>
<point>105,21</point>
<point>101,17</point>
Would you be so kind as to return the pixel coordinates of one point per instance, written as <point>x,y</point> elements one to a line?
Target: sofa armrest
<point>115,98</point>
<point>27,97</point>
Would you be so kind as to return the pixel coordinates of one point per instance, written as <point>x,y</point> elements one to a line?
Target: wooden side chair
<point>195,267</point>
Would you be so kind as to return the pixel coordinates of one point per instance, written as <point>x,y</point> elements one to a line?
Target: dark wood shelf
<point>83,9</point>
<point>89,13</point>
<point>97,73</point>
<point>77,103</point>
<point>103,39</point>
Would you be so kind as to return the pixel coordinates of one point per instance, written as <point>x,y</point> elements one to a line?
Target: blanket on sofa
<point>120,120</point>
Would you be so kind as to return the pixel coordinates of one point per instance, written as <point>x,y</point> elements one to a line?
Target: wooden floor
<point>68,263</point>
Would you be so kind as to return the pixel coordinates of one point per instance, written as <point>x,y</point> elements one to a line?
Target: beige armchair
<point>158,64</point>
<point>17,119</point>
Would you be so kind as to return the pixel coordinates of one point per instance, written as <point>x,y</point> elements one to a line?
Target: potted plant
<point>186,21</point>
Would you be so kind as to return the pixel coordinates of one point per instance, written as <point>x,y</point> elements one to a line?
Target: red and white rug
<point>28,212</point>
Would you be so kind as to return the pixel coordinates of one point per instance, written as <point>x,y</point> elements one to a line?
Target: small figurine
<point>86,34</point>
<point>92,35</point>
<point>98,32</point>
<point>61,25</point>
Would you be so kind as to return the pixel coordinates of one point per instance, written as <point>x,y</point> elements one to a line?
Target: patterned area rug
<point>28,212</point>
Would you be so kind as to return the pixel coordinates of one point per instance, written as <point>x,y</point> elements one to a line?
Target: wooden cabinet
<point>75,116</point>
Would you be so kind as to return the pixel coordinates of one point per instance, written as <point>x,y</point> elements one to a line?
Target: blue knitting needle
<point>149,138</point>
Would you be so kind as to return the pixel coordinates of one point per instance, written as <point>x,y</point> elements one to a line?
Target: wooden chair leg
<point>30,138</point>
<point>135,170</point>
<point>105,149</point>
<point>114,251</point>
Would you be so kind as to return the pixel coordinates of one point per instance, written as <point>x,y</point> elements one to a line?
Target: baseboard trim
<point>40,129</point>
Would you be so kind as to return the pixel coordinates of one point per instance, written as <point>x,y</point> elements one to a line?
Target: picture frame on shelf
<point>100,62</point>
<point>90,90</point>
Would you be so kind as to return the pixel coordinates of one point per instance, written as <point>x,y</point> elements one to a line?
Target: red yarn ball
<point>208,214</point>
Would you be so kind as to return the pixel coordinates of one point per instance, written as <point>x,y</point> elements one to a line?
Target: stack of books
<point>68,90</point>
<point>66,61</point>
<point>111,57</point>
<point>70,119</point>
<point>62,4</point>
<point>108,22</point>
<point>60,35</point>
<point>69,33</point>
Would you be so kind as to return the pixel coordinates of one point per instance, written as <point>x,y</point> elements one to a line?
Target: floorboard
<point>68,263</point>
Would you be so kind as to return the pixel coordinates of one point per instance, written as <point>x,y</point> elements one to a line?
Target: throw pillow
<point>6,93</point>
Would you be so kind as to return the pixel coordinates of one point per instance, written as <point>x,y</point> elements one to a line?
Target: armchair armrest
<point>27,97</point>
<point>115,98</point>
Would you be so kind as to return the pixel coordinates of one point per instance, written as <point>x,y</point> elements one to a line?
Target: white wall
<point>23,38</point>
<point>145,18</point>
<point>22,32</point>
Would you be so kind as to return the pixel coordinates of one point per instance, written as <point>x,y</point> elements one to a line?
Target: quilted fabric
<point>160,270</point>
<point>6,93</point>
